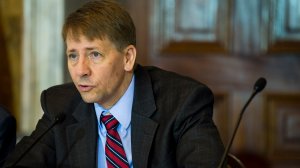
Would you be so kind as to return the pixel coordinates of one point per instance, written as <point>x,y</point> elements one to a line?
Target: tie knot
<point>109,121</point>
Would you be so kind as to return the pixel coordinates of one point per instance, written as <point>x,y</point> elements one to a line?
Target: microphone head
<point>60,117</point>
<point>260,84</point>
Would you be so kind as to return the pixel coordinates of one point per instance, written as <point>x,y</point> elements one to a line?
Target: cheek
<point>117,72</point>
<point>101,75</point>
<point>112,75</point>
<point>71,72</point>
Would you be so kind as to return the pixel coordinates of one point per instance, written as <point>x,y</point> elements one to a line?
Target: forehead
<point>78,35</point>
<point>82,42</point>
<point>90,32</point>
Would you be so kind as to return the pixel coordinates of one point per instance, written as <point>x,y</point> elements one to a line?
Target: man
<point>7,134</point>
<point>162,119</point>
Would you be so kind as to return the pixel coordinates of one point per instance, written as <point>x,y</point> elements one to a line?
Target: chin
<point>88,99</point>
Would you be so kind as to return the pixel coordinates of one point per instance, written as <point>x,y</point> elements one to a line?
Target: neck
<point>122,90</point>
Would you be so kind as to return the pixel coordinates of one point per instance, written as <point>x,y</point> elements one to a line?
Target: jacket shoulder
<point>167,85</point>
<point>169,79</point>
<point>57,98</point>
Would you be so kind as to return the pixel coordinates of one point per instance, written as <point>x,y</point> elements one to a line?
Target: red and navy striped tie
<point>114,151</point>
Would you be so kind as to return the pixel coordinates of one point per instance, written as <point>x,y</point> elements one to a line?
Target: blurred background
<point>226,44</point>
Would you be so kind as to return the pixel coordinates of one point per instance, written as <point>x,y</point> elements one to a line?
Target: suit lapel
<point>82,137</point>
<point>143,131</point>
<point>143,127</point>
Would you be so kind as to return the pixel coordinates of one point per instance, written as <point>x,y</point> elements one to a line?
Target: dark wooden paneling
<point>11,54</point>
<point>222,115</point>
<point>189,26</point>
<point>285,27</point>
<point>283,118</point>
<point>6,79</point>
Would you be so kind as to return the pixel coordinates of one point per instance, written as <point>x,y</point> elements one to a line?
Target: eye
<point>95,56</point>
<point>72,57</point>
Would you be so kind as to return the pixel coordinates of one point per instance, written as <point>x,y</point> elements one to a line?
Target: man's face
<point>100,72</point>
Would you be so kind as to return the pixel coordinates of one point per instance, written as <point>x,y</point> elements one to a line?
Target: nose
<point>83,67</point>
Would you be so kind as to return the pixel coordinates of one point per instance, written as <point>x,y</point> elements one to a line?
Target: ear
<point>129,58</point>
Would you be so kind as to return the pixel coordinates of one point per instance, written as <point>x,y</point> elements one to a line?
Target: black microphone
<point>259,86</point>
<point>57,119</point>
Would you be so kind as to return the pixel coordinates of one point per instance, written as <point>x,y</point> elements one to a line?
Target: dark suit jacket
<point>171,126</point>
<point>7,134</point>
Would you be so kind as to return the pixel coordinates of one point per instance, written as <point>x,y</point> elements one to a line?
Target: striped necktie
<point>114,151</point>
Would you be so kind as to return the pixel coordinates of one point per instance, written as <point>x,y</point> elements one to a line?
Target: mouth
<point>85,88</point>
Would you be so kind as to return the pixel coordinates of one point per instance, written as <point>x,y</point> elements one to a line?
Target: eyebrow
<point>93,48</point>
<point>72,50</point>
<point>89,49</point>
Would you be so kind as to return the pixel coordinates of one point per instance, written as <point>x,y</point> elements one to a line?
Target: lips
<point>85,88</point>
